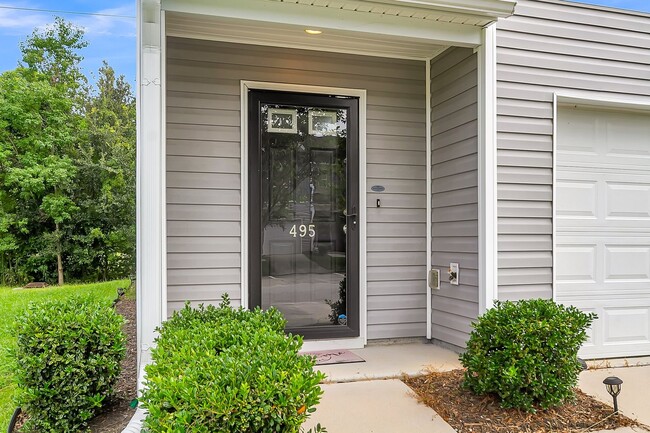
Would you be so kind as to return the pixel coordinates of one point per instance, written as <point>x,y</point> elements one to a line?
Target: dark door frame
<point>255,99</point>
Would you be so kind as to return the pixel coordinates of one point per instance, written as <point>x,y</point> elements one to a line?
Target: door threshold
<point>333,344</point>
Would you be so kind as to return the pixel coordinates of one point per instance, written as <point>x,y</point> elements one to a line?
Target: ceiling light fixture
<point>313,32</point>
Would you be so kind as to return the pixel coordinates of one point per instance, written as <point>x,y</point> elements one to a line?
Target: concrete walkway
<point>368,397</point>
<point>634,400</point>
<point>391,361</point>
<point>375,406</point>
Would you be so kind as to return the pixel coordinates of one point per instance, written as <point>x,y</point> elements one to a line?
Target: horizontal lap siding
<point>550,46</point>
<point>203,159</point>
<point>455,192</point>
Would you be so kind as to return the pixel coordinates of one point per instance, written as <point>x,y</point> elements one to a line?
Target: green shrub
<point>526,353</point>
<point>68,358</point>
<point>228,370</point>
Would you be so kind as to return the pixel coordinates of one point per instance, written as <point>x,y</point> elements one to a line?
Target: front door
<point>303,204</point>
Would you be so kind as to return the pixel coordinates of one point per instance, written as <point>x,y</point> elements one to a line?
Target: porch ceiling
<point>286,35</point>
<point>415,29</point>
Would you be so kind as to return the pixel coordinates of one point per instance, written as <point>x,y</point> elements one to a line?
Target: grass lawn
<point>14,301</point>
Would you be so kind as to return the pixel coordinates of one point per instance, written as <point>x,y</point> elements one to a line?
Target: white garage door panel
<point>594,198</point>
<point>576,263</point>
<point>627,264</point>
<point>622,328</point>
<point>591,264</point>
<point>597,137</point>
<point>577,199</point>
<point>603,226</point>
<point>627,201</point>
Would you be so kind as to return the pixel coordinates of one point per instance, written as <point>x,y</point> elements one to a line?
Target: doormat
<point>328,357</point>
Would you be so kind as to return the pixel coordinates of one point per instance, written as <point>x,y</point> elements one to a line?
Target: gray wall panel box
<point>434,279</point>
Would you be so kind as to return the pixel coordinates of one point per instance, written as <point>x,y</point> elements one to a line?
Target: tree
<point>105,230</point>
<point>53,54</point>
<point>67,165</point>
<point>38,130</point>
<point>40,126</point>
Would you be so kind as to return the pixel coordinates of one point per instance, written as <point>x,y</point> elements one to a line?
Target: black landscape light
<point>613,385</point>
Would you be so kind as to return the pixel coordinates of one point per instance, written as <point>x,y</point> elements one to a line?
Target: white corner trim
<point>428,166</point>
<point>244,193</point>
<point>487,170</point>
<point>163,166</point>
<point>138,165</point>
<point>245,86</point>
<point>554,203</point>
<point>150,177</point>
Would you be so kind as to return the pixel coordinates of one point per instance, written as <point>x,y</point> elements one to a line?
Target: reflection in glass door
<point>303,195</point>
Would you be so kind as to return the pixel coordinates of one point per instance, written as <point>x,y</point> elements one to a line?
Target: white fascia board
<point>488,8</point>
<point>330,18</point>
<point>487,171</point>
<point>150,191</point>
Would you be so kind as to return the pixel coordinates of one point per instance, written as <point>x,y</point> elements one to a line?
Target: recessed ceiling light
<point>313,32</point>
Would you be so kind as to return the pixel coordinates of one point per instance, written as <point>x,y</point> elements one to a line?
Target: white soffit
<point>438,22</point>
<point>284,35</point>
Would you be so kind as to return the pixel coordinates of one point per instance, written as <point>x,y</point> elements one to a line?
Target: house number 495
<point>303,230</point>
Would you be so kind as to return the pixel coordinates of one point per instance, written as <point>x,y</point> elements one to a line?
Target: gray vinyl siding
<point>550,46</point>
<point>203,170</point>
<point>455,192</point>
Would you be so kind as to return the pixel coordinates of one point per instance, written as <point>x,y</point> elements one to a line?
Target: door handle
<point>353,215</point>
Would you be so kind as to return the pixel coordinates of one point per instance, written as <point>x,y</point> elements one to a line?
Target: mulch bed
<point>467,412</point>
<point>118,413</point>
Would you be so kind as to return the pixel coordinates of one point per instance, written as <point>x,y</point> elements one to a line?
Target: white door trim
<point>429,190</point>
<point>339,343</point>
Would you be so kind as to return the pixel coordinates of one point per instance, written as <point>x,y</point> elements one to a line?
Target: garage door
<point>603,225</point>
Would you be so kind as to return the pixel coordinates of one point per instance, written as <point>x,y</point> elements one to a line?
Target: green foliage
<point>68,358</point>
<point>13,303</point>
<point>340,305</point>
<point>102,245</point>
<point>67,166</point>
<point>526,353</point>
<point>228,370</point>
<point>53,54</point>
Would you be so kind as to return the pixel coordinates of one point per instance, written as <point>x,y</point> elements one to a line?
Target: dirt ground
<point>118,413</point>
<point>469,413</point>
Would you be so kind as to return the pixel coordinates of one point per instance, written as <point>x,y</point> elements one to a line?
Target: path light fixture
<point>613,385</point>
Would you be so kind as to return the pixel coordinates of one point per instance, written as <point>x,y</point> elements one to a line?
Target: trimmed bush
<point>219,369</point>
<point>526,353</point>
<point>68,359</point>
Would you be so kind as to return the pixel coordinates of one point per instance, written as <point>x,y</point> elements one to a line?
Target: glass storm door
<point>303,202</point>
